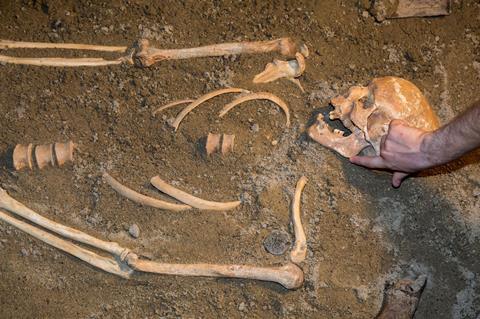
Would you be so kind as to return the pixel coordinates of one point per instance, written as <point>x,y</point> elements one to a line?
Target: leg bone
<point>299,251</point>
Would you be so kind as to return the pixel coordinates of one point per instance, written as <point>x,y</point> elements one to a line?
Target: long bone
<point>258,96</point>
<point>17,208</point>
<point>146,55</point>
<point>299,251</point>
<point>191,200</point>
<point>140,198</point>
<point>68,62</point>
<point>202,99</point>
<point>290,275</point>
<point>8,44</point>
<point>171,104</point>
<point>107,264</point>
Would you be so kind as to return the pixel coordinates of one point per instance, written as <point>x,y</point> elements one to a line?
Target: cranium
<point>367,113</point>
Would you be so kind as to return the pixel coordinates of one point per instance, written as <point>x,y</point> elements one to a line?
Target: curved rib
<point>200,100</point>
<point>60,61</point>
<point>299,251</point>
<point>140,198</point>
<point>258,96</point>
<point>171,104</point>
<point>8,44</point>
<point>191,200</point>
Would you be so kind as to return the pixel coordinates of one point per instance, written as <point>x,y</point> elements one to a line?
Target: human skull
<point>367,113</point>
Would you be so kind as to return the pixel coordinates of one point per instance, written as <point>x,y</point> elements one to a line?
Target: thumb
<point>398,178</point>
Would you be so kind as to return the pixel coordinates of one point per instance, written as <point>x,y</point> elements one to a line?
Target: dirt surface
<point>361,232</point>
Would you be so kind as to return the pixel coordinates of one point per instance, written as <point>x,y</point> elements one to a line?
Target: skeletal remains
<point>56,154</point>
<point>278,69</point>
<point>367,113</point>
<point>219,143</point>
<point>124,262</point>
<point>143,55</point>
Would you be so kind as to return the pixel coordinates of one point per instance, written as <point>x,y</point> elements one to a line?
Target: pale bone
<point>191,200</point>
<point>212,144</point>
<point>258,96</point>
<point>107,264</point>
<point>290,275</point>
<point>283,69</point>
<point>17,208</point>
<point>367,113</point>
<point>63,152</point>
<point>140,198</point>
<point>44,155</point>
<point>22,156</point>
<point>299,250</point>
<point>401,299</point>
<point>172,104</point>
<point>227,143</point>
<point>202,99</point>
<point>68,62</point>
<point>146,55</point>
<point>8,44</point>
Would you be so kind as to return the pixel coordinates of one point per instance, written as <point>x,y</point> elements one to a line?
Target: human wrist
<point>430,150</point>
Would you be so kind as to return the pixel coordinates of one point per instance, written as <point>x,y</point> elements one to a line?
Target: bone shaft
<point>60,62</point>
<point>8,44</point>
<point>299,250</point>
<point>287,276</point>
<point>106,264</point>
<point>218,50</point>
<point>17,208</point>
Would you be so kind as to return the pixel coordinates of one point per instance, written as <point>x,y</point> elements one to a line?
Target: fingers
<point>368,161</point>
<point>398,178</point>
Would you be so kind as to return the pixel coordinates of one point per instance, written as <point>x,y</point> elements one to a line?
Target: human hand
<point>402,151</point>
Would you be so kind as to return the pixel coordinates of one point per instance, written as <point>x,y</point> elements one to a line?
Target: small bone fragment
<point>107,264</point>
<point>258,96</point>
<point>64,152</point>
<point>401,299</point>
<point>227,143</point>
<point>68,62</point>
<point>22,156</point>
<point>290,275</point>
<point>8,44</point>
<point>17,208</point>
<point>212,144</point>
<point>384,9</point>
<point>146,55</point>
<point>140,198</point>
<point>202,99</point>
<point>283,69</point>
<point>169,105</point>
<point>190,199</point>
<point>299,251</point>
<point>44,155</point>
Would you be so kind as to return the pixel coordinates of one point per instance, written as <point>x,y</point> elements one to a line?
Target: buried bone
<point>143,55</point>
<point>367,113</point>
<point>191,200</point>
<point>278,69</point>
<point>125,261</point>
<point>219,143</point>
<point>56,154</point>
<point>299,251</point>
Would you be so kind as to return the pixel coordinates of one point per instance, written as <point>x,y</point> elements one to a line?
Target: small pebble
<point>24,252</point>
<point>134,231</point>
<point>242,306</point>
<point>274,142</point>
<point>255,128</point>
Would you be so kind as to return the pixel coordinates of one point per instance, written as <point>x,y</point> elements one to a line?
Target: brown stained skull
<point>367,113</point>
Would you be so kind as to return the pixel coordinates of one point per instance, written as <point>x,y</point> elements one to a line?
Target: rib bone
<point>190,199</point>
<point>146,55</point>
<point>202,99</point>
<point>290,275</point>
<point>169,105</point>
<point>258,96</point>
<point>299,251</point>
<point>107,264</point>
<point>17,208</point>
<point>140,198</point>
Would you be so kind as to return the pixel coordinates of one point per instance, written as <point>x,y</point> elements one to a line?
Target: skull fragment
<point>367,113</point>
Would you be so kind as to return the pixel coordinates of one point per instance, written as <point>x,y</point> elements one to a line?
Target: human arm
<point>406,150</point>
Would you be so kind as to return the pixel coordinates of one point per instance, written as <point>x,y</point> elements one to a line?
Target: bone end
<point>22,156</point>
<point>292,276</point>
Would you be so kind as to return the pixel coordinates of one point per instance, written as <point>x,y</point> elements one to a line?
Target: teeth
<point>338,132</point>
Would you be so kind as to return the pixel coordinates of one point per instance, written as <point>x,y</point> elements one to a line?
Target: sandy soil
<point>361,232</point>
